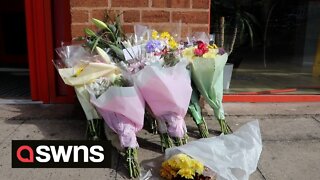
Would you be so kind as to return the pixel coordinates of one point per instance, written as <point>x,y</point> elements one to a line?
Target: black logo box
<point>16,163</point>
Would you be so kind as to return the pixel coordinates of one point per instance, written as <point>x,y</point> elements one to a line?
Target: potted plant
<point>235,28</point>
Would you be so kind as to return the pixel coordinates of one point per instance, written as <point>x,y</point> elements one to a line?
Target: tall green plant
<point>232,19</point>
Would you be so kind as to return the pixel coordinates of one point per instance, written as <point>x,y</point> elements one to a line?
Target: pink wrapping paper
<point>168,92</point>
<point>122,108</point>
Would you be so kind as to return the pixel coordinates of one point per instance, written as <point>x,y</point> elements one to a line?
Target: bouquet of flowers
<point>116,98</point>
<point>122,108</point>
<point>183,167</point>
<point>169,100</point>
<point>226,157</point>
<point>77,67</point>
<point>232,157</point>
<point>207,64</point>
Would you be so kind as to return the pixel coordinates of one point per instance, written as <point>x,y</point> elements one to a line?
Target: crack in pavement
<point>317,120</point>
<point>14,130</point>
<point>259,170</point>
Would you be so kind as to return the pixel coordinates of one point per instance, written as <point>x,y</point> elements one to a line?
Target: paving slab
<point>272,127</point>
<point>283,127</point>
<point>290,132</point>
<point>49,130</point>
<point>256,176</point>
<point>40,111</point>
<point>290,160</point>
<point>7,127</point>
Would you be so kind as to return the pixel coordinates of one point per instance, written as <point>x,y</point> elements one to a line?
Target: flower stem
<point>166,141</point>
<point>203,129</point>
<point>225,128</point>
<point>185,139</point>
<point>91,131</point>
<point>95,129</point>
<point>150,118</point>
<point>196,113</point>
<point>151,122</point>
<point>132,162</point>
<point>180,141</point>
<point>177,141</point>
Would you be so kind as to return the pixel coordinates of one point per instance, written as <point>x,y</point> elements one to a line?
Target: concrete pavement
<point>290,133</point>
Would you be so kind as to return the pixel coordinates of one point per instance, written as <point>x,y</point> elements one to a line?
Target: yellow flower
<point>213,46</point>
<point>155,34</point>
<point>165,174</point>
<point>166,165</point>
<point>186,173</point>
<point>165,35</point>
<point>188,53</point>
<point>181,164</point>
<point>173,164</point>
<point>185,163</point>
<point>197,166</point>
<point>172,43</point>
<point>211,54</point>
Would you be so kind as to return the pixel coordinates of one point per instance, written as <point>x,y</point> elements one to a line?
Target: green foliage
<point>109,36</point>
<point>240,24</point>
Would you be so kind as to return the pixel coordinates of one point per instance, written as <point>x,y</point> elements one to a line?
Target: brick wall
<point>159,14</point>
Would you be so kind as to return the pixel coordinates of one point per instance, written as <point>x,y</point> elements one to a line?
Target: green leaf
<point>242,31</point>
<point>252,19</point>
<point>100,24</point>
<point>95,43</point>
<point>89,32</point>
<point>112,28</point>
<point>118,51</point>
<point>250,31</point>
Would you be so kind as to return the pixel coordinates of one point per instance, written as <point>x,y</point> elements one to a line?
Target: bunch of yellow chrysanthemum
<point>181,165</point>
<point>166,37</point>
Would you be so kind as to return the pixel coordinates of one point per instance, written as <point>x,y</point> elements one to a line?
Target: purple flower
<point>221,51</point>
<point>153,45</point>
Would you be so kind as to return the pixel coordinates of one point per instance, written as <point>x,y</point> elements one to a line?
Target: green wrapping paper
<point>196,112</point>
<point>207,75</point>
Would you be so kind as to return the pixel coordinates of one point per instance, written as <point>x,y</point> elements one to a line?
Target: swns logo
<point>59,154</point>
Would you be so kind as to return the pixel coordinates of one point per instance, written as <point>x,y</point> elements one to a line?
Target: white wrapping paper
<point>232,157</point>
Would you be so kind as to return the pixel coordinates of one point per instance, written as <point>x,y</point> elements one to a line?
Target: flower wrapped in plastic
<point>181,166</point>
<point>122,108</point>
<point>77,67</point>
<point>166,87</point>
<point>225,157</point>
<point>207,64</point>
<point>167,91</point>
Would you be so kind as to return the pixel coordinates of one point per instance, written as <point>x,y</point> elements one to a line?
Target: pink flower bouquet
<point>167,91</point>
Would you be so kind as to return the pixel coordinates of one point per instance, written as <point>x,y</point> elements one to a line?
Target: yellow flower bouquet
<point>182,167</point>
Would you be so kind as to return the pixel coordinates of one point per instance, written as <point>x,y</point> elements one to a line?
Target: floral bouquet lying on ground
<point>183,167</point>
<point>226,157</point>
<point>207,64</point>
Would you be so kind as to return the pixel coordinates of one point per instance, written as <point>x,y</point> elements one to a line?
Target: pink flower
<point>201,49</point>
